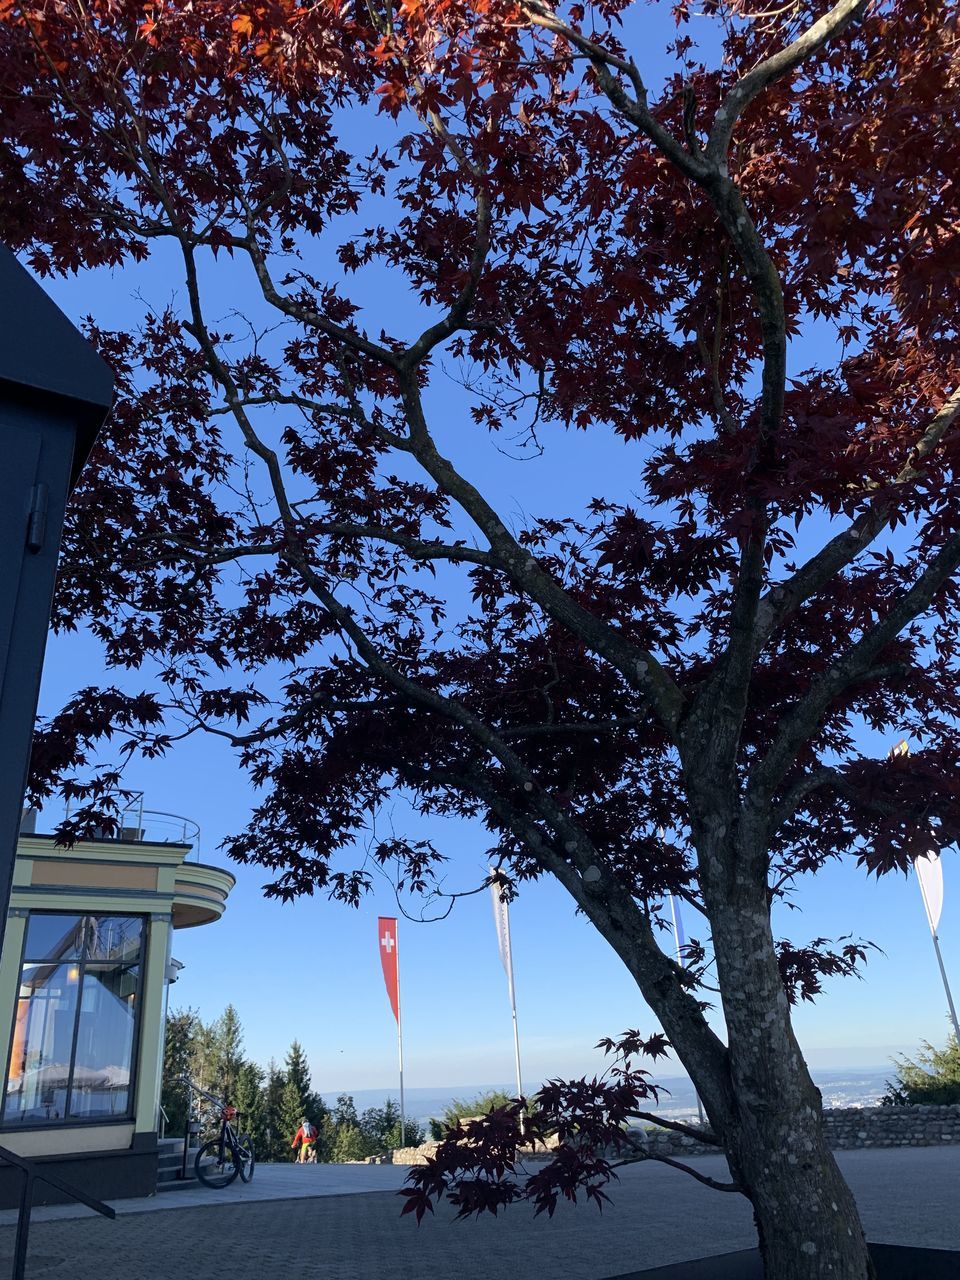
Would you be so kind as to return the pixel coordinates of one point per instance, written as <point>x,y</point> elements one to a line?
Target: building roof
<point>43,357</point>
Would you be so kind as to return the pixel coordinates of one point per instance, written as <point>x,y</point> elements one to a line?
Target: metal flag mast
<point>389,947</point>
<point>930,879</point>
<point>679,943</point>
<point>501,916</point>
<point>932,909</point>
<point>403,1114</point>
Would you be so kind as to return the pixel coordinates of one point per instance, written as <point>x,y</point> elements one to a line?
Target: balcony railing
<point>138,825</point>
<point>154,826</point>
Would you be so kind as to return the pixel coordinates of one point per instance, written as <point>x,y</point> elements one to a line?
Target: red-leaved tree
<point>285,523</point>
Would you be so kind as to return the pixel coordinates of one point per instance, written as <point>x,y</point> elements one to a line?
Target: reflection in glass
<point>104,1053</point>
<point>113,937</point>
<point>51,936</point>
<point>73,1036</point>
<point>42,1043</point>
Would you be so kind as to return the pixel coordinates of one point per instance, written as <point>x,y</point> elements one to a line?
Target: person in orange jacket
<point>305,1139</point>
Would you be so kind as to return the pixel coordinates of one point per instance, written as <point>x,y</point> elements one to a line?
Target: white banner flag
<point>501,919</point>
<point>930,874</point>
<point>503,929</point>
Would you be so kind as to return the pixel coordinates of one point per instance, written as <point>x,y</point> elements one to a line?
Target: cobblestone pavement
<point>659,1215</point>
<point>271,1182</point>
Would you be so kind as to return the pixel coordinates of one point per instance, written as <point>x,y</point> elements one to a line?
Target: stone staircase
<point>170,1165</point>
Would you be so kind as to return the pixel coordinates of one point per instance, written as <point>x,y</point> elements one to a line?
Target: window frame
<point>9,1124</point>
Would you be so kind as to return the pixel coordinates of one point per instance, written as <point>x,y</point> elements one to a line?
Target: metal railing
<point>31,1174</point>
<point>154,826</point>
<point>139,825</point>
<point>192,1125</point>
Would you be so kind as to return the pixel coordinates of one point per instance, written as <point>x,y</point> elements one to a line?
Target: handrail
<point>31,1174</point>
<point>195,1088</point>
<point>191,1090</point>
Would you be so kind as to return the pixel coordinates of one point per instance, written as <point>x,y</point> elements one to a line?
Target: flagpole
<point>936,947</point>
<point>400,1049</point>
<point>676,939</point>
<point>675,914</point>
<point>513,1011</point>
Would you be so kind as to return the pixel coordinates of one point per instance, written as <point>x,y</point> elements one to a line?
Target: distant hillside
<point>861,1088</point>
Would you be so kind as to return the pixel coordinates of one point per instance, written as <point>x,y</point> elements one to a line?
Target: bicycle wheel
<point>246,1159</point>
<point>215,1165</point>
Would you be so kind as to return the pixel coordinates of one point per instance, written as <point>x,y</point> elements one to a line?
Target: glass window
<point>113,938</point>
<point>51,936</point>
<point>104,1052</point>
<point>72,1048</point>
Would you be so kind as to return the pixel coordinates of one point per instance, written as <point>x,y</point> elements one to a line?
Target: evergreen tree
<point>226,1044</point>
<point>178,1045</point>
<point>292,1111</point>
<point>327,1131</point>
<point>345,1112</point>
<point>350,1144</point>
<point>274,1145</point>
<point>466,1108</point>
<point>249,1101</point>
<point>933,1080</point>
<point>296,1099</point>
<point>297,1070</point>
<point>382,1130</point>
<point>204,1056</point>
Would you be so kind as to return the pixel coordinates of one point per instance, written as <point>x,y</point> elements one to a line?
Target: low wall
<point>913,1126</point>
<point>850,1127</point>
<point>846,1128</point>
<point>420,1155</point>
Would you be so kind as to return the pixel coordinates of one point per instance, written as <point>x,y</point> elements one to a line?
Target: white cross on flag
<point>389,960</point>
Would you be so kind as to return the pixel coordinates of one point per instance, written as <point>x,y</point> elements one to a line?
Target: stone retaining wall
<point>849,1127</point>
<point>846,1127</point>
<point>914,1126</point>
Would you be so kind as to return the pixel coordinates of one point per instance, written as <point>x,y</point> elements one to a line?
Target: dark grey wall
<point>36,452</point>
<point>108,1175</point>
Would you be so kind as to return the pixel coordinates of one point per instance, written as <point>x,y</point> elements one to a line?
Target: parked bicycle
<point>220,1160</point>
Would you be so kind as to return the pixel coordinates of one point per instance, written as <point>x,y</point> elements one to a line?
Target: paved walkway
<point>270,1182</point>
<point>906,1196</point>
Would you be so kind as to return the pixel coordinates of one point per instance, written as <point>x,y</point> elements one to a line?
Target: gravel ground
<point>659,1215</point>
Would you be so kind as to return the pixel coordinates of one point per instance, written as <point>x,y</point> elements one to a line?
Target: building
<point>84,973</point>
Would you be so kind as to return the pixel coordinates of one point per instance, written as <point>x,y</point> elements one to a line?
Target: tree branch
<point>593,727</point>
<point>637,666</point>
<point>307,315</point>
<point>618,918</point>
<point>684,1168</point>
<point>784,599</point>
<point>780,64</point>
<point>802,723</point>
<point>635,109</point>
<point>302,402</point>
<point>701,1135</point>
<point>416,548</point>
<point>457,315</point>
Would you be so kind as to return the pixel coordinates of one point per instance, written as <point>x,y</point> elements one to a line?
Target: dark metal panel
<point>28,578</point>
<point>19,456</point>
<point>43,357</point>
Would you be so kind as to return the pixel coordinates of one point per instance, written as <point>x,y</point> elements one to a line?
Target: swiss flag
<point>390,960</point>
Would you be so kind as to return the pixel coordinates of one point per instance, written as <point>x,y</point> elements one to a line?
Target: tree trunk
<point>806,1216</point>
<point>807,1220</point>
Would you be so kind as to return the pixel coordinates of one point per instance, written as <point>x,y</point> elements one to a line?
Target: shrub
<point>933,1080</point>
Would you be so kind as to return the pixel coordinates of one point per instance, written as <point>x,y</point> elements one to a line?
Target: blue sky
<point>310,969</point>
